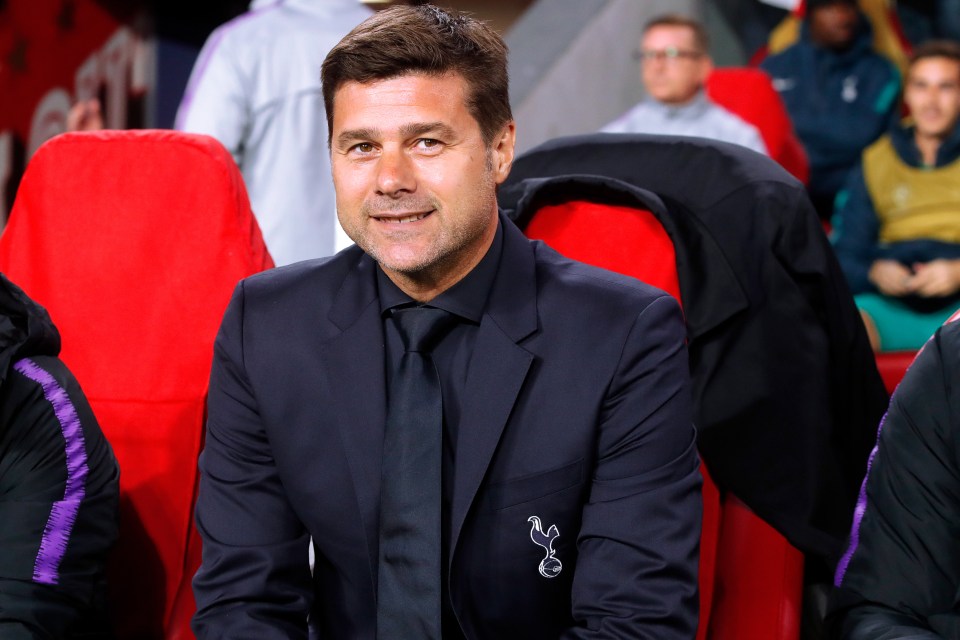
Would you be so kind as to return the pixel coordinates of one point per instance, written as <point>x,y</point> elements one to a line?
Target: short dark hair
<point>428,40</point>
<point>816,5</point>
<point>936,49</point>
<point>700,37</point>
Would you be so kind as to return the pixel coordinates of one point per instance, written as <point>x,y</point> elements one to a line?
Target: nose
<point>395,174</point>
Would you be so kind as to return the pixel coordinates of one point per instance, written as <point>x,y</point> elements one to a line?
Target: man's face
<point>932,93</point>
<point>673,69</point>
<point>415,182</point>
<point>834,26</point>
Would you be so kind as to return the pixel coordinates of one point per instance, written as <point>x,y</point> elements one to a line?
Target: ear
<point>503,150</point>
<point>706,68</point>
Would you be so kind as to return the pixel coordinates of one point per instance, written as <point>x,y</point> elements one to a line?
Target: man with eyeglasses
<point>674,65</point>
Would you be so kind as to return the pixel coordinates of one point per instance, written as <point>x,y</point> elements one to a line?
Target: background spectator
<point>85,115</point>
<point>674,65</point>
<point>897,229</point>
<point>840,94</point>
<point>256,88</point>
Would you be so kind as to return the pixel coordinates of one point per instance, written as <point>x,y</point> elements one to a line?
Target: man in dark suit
<point>529,471</point>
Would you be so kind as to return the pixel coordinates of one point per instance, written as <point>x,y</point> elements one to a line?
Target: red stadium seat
<point>892,366</point>
<point>749,93</point>
<point>134,240</point>
<point>750,576</point>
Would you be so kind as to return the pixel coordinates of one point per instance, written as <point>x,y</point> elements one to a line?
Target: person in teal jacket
<point>840,94</point>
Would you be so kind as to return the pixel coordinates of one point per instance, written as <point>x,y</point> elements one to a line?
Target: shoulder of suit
<point>587,284</point>
<point>315,273</point>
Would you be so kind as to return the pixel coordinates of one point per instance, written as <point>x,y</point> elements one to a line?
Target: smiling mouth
<point>403,219</point>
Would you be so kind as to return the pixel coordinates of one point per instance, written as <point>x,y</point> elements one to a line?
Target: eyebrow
<point>350,135</point>
<point>413,130</point>
<point>420,128</point>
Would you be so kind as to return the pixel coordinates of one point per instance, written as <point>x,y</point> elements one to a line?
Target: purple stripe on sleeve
<point>861,508</point>
<point>858,513</point>
<point>63,514</point>
<point>199,70</point>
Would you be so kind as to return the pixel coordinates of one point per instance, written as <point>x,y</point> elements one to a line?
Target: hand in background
<point>891,278</point>
<point>935,279</point>
<point>85,116</point>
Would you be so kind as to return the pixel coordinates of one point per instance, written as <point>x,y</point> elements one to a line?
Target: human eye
<point>428,145</point>
<point>361,148</point>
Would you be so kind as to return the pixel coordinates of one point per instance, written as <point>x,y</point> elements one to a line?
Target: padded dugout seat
<point>134,241</point>
<point>750,576</point>
<point>893,365</point>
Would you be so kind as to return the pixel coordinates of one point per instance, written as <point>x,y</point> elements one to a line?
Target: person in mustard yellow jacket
<point>897,226</point>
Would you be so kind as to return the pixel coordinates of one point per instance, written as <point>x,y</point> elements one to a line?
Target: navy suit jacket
<point>576,411</point>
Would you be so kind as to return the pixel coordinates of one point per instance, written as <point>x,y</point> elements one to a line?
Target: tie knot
<point>422,327</point>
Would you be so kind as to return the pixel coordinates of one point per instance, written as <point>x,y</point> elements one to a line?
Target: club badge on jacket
<point>550,566</point>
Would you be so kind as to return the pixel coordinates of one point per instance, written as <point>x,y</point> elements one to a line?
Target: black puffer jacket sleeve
<point>900,575</point>
<point>58,505</point>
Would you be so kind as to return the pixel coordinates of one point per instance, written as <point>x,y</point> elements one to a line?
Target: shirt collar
<point>467,298</point>
<point>691,110</point>
<point>904,141</point>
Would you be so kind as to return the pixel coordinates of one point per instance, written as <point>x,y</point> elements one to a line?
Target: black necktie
<point>408,592</point>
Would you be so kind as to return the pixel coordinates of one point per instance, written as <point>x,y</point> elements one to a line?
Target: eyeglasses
<point>669,54</point>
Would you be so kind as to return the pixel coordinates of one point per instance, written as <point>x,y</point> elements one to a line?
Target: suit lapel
<point>358,388</point>
<point>497,371</point>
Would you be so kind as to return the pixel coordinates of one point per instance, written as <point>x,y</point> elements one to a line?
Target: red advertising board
<point>55,52</point>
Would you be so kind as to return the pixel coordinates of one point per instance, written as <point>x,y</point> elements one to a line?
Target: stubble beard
<point>450,242</point>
